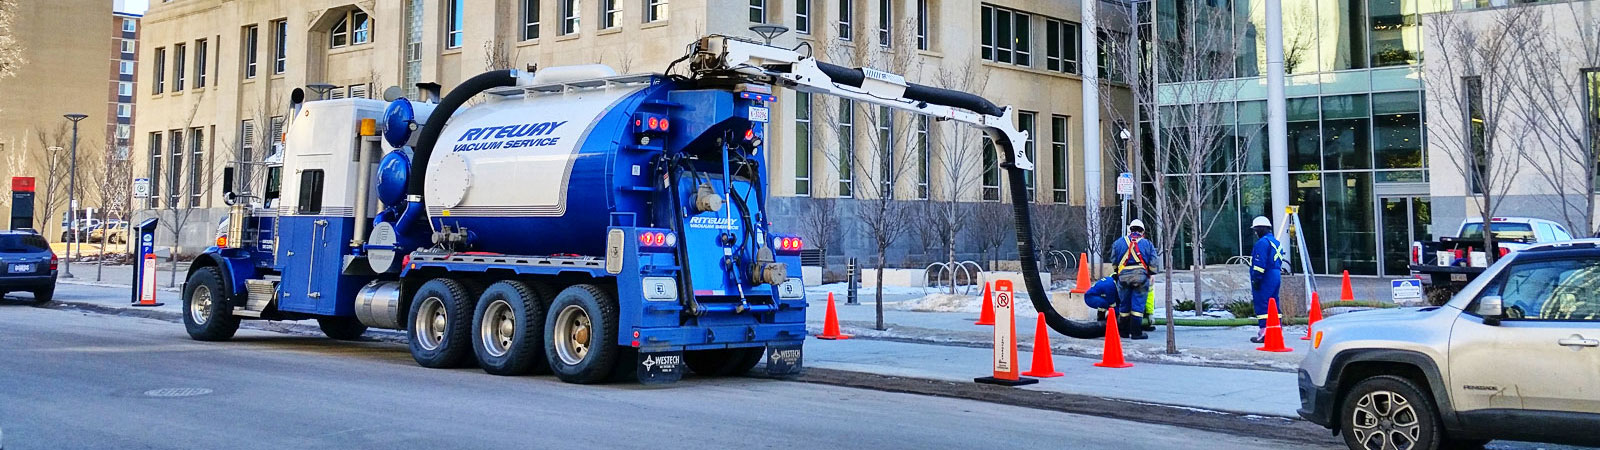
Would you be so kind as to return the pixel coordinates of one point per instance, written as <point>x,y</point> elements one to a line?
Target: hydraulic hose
<point>938,96</point>
<point>1030,264</point>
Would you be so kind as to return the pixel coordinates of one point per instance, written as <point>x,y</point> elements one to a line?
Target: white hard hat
<point>1135,224</point>
<point>1261,221</point>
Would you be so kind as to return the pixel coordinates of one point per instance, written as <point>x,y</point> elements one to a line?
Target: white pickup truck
<point>1448,264</point>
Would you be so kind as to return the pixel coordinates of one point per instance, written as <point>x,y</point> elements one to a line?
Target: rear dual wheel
<point>508,336</point>
<point>580,334</point>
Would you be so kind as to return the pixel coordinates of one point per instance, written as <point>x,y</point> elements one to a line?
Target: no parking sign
<point>1005,338</point>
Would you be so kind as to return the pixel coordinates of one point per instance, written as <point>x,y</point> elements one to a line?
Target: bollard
<point>851,278</point>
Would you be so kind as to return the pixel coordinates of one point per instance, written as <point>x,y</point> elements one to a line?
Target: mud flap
<point>661,367</point>
<point>784,359</point>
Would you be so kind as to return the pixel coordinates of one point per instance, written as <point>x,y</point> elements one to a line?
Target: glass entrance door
<point>1402,220</point>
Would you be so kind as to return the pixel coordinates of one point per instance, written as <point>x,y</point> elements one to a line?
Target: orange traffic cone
<point>1112,357</point>
<point>1345,294</point>
<point>830,325</point>
<point>1316,315</point>
<point>1274,337</point>
<point>1044,365</point>
<point>986,317</point>
<point>1083,274</point>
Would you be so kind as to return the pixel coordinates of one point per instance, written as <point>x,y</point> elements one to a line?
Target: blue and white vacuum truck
<point>570,221</point>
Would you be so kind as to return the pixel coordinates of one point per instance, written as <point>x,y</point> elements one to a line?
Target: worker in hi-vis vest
<point>1135,264</point>
<point>1266,263</point>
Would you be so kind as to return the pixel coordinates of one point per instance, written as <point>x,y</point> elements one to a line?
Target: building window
<point>991,172</point>
<point>155,170</point>
<point>126,68</point>
<point>280,46</point>
<point>802,16</point>
<point>847,148</point>
<point>655,10</point>
<point>201,63</point>
<point>846,14</point>
<point>609,9</point>
<point>251,40</point>
<point>923,145</point>
<point>455,16</point>
<point>124,89</point>
<point>124,110</point>
<point>1006,35</point>
<point>885,22</point>
<point>161,72</point>
<point>247,142</point>
<point>758,11</point>
<point>1060,46</point>
<point>1025,123</point>
<point>354,28</point>
<point>530,19</point>
<point>1478,173</point>
<point>180,58</point>
<point>129,26</point>
<point>570,14</point>
<point>127,46</point>
<point>924,25</point>
<point>124,131</point>
<point>886,152</point>
<point>802,144</point>
<point>1058,158</point>
<point>357,91</point>
<point>196,164</point>
<point>174,166</point>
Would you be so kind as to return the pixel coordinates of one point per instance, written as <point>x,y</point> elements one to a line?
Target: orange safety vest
<point>1133,250</point>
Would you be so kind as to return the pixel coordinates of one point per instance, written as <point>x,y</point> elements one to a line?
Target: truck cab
<point>1448,264</point>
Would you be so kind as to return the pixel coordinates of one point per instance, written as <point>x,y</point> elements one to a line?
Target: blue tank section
<point>393,171</point>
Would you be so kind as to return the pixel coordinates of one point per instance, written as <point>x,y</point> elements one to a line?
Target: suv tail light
<point>53,261</point>
<point>1416,253</point>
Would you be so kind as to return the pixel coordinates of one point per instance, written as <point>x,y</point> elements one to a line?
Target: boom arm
<point>723,56</point>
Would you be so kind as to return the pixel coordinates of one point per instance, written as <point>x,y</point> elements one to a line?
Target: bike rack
<point>970,269</point>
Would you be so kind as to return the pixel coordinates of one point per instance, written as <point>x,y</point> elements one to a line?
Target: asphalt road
<point>71,379</point>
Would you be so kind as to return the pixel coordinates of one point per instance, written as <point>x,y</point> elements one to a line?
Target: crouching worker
<point>1101,295</point>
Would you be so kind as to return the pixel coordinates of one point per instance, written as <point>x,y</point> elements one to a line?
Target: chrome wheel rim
<point>200,304</point>
<point>498,329</point>
<point>573,334</point>
<point>1385,420</point>
<point>431,323</point>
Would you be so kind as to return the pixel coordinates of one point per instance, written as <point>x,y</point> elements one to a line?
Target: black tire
<point>1363,423</point>
<point>43,296</point>
<point>581,354</point>
<point>448,343</point>
<point>723,362</point>
<point>342,328</point>
<point>523,305</point>
<point>212,318</point>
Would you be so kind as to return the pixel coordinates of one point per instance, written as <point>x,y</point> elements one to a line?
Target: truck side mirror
<point>1491,308</point>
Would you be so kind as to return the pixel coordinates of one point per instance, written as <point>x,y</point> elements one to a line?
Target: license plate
<point>1458,277</point>
<point>21,268</point>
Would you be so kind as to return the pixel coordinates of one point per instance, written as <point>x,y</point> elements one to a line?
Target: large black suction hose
<point>1019,192</point>
<point>441,114</point>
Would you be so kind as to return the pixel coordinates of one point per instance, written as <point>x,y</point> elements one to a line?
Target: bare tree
<point>1195,137</point>
<point>1550,99</point>
<point>878,167</point>
<point>820,225</point>
<point>114,181</point>
<point>958,164</point>
<point>993,224</point>
<point>181,189</point>
<point>57,162</point>
<point>1474,76</point>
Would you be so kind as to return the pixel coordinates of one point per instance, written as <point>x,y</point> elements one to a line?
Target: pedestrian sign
<point>1405,289</point>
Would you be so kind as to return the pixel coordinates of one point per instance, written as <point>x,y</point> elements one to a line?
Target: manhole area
<point>177,392</point>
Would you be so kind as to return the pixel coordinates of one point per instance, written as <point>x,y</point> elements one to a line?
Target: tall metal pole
<point>72,195</point>
<point>1089,60</point>
<point>1277,113</point>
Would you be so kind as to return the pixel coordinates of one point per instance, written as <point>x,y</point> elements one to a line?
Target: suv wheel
<point>1389,413</point>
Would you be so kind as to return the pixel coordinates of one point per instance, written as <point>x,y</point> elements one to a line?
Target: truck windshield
<point>1501,230</point>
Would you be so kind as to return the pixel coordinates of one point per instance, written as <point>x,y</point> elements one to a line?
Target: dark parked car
<point>27,264</point>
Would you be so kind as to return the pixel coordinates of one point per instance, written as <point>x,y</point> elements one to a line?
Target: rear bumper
<point>713,337</point>
<point>1316,402</point>
<point>27,282</point>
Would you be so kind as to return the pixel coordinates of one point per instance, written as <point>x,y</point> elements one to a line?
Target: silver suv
<point>1515,355</point>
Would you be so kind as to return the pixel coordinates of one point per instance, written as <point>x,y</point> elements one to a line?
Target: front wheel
<point>207,316</point>
<point>1389,413</point>
<point>580,334</point>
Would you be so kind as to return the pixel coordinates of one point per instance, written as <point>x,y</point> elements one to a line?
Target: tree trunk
<point>1199,263</point>
<point>950,249</point>
<point>172,258</point>
<point>879,288</point>
<point>1488,230</point>
<point>105,235</point>
<point>1172,341</point>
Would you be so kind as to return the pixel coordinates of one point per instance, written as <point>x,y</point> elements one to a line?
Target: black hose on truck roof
<point>441,115</point>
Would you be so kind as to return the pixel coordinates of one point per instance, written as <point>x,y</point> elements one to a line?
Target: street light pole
<point>72,193</point>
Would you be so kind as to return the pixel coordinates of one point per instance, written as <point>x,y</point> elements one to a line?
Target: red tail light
<point>1416,254</point>
<point>1504,251</point>
<point>53,261</point>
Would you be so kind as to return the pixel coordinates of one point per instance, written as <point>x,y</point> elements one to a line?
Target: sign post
<point>1005,339</point>
<point>1125,190</point>
<point>144,269</point>
<point>21,203</point>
